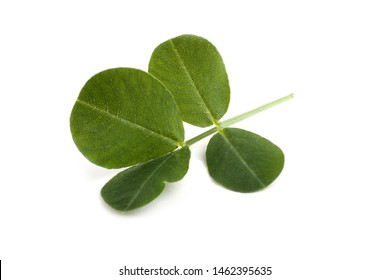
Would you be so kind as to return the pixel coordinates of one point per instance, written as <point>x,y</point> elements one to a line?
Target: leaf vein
<point>232,148</point>
<point>191,80</point>
<point>147,179</point>
<point>127,122</point>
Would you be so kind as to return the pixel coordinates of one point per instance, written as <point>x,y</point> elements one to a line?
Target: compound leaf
<point>193,71</point>
<point>140,184</point>
<point>125,116</point>
<point>243,161</point>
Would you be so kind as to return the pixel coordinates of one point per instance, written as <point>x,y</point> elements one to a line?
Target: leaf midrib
<point>241,159</point>
<point>147,180</point>
<point>192,80</point>
<point>127,122</point>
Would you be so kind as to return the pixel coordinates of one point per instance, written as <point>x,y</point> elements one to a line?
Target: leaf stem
<point>236,119</point>
<point>255,111</point>
<point>201,136</point>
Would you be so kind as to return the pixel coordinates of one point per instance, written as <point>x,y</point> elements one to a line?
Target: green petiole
<point>236,119</point>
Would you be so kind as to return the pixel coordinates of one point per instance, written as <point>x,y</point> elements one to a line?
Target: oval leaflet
<point>140,184</point>
<point>193,70</point>
<point>125,116</point>
<point>243,161</point>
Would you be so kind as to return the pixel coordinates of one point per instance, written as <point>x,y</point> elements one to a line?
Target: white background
<point>325,217</point>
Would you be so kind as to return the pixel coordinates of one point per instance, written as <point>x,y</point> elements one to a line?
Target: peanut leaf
<point>193,71</point>
<point>125,116</point>
<point>243,161</point>
<point>140,184</point>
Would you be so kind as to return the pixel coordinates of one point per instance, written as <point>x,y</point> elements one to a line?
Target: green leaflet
<point>194,72</point>
<point>243,161</point>
<point>139,185</point>
<point>124,116</point>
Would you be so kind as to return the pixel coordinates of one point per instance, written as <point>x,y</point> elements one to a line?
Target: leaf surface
<point>140,184</point>
<point>243,161</point>
<point>125,116</point>
<point>193,71</point>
